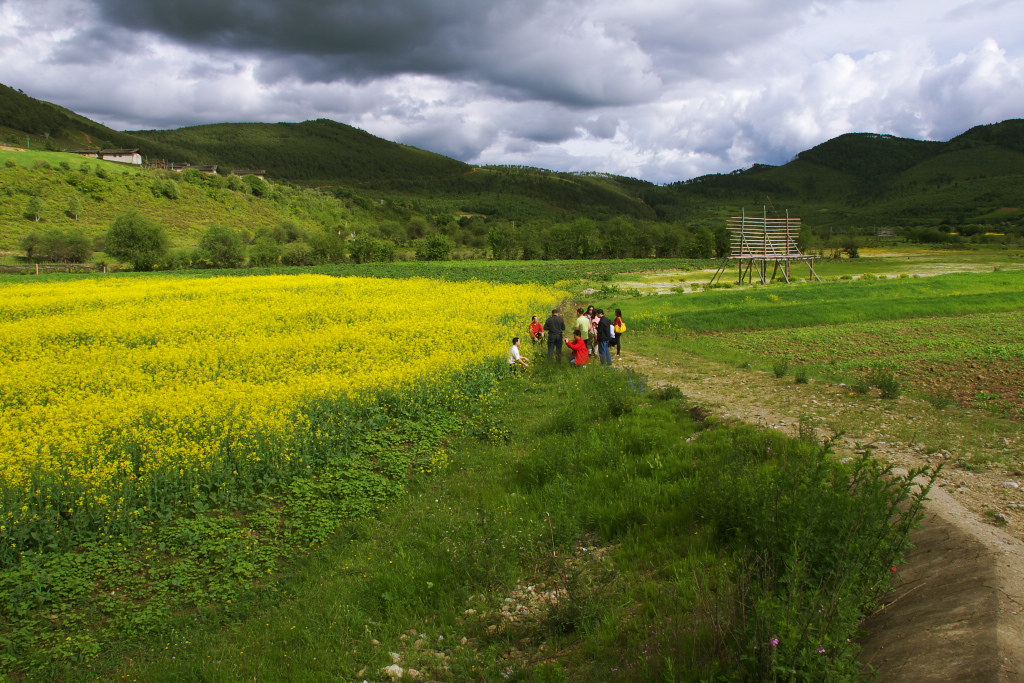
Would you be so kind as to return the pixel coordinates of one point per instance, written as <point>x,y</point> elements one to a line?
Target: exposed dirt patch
<point>957,611</point>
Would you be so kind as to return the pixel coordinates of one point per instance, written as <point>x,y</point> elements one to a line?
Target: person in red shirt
<point>581,355</point>
<point>536,330</point>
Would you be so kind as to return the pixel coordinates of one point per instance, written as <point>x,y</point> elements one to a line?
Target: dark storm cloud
<point>530,49</point>
<point>367,36</point>
<point>94,46</point>
<point>660,89</point>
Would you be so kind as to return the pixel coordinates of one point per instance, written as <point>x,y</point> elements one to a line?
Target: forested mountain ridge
<point>864,180</point>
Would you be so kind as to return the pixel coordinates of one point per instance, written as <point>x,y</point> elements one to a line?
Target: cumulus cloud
<point>660,89</point>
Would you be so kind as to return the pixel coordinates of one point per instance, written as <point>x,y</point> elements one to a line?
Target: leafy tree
<point>531,242</point>
<point>282,233</point>
<point>365,249</point>
<point>31,244</point>
<point>617,240</point>
<point>328,246</point>
<point>699,243</point>
<point>235,183</point>
<point>502,240</point>
<point>74,206</point>
<point>66,246</point>
<point>138,240</point>
<point>297,254</point>
<point>57,246</point>
<point>417,228</point>
<point>34,208</point>
<point>588,238</point>
<point>434,248</point>
<point>265,252</point>
<point>723,241</point>
<point>222,247</point>
<point>560,242</point>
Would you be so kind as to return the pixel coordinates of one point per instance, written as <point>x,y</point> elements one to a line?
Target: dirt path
<point>957,611</point>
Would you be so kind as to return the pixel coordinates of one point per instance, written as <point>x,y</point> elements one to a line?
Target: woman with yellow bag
<point>619,325</point>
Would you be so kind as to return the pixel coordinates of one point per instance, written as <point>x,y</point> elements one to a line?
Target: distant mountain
<point>52,127</point>
<point>863,180</point>
<point>854,181</point>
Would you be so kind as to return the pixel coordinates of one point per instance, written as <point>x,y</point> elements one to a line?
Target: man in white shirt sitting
<point>517,361</point>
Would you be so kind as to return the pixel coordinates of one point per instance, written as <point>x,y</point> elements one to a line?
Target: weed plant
<point>940,400</point>
<point>883,376</point>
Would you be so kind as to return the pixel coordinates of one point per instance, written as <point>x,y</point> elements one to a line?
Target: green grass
<point>956,334</point>
<point>106,189</point>
<point>610,539</point>
<point>823,304</point>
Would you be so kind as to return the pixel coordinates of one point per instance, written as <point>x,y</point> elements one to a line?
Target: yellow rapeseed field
<point>112,379</point>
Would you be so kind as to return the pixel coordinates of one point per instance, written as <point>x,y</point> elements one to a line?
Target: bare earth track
<point>957,611</point>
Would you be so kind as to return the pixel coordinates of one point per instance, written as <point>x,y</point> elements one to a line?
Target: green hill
<point>860,180</point>
<point>312,152</point>
<point>330,176</point>
<point>330,154</point>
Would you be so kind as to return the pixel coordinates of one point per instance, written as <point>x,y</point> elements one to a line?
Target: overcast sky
<point>663,90</point>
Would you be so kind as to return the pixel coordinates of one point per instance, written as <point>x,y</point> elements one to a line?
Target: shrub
<point>222,247</point>
<point>886,382</point>
<point>138,240</point>
<point>297,254</point>
<point>327,246</point>
<point>257,186</point>
<point>780,368</point>
<point>860,387</point>
<point>940,400</point>
<point>366,249</point>
<point>264,252</point>
<point>434,248</point>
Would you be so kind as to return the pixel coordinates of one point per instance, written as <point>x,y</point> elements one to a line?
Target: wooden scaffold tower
<point>756,242</point>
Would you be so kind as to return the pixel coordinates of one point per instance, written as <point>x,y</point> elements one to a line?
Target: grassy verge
<point>584,529</point>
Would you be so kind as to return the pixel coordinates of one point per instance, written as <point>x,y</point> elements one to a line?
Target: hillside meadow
<point>184,203</point>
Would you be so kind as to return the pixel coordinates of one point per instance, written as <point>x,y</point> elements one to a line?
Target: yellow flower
<point>109,383</point>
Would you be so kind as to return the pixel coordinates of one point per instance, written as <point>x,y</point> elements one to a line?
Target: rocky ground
<point>957,611</point>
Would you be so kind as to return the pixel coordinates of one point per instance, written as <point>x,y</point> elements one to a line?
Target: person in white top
<point>516,360</point>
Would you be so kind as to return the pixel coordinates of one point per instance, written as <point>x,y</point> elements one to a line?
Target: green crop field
<point>956,334</point>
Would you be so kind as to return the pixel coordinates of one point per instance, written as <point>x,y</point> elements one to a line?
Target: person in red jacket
<point>536,330</point>
<point>578,344</point>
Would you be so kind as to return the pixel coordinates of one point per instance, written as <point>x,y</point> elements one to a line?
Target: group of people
<point>594,334</point>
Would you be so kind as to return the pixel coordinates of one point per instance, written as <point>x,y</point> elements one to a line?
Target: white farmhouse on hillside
<point>124,156</point>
